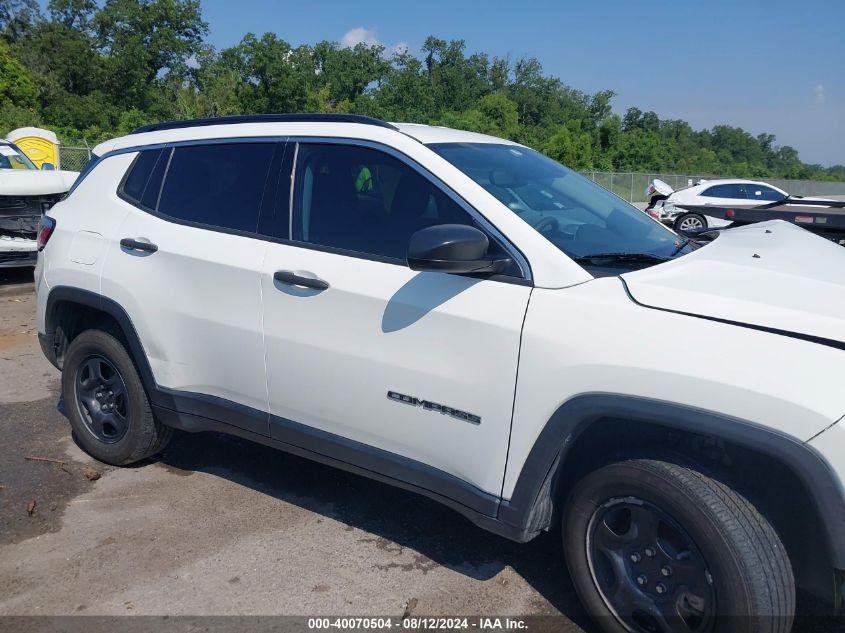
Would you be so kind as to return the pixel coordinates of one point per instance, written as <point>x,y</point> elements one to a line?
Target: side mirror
<point>48,167</point>
<point>452,248</point>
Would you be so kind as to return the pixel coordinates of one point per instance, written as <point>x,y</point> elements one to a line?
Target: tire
<point>117,429</point>
<point>714,558</point>
<point>690,222</point>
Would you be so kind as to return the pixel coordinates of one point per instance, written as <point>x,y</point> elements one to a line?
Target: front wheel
<point>106,403</point>
<point>654,546</point>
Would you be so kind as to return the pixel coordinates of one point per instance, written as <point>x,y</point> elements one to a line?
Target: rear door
<point>187,273</point>
<point>363,352</point>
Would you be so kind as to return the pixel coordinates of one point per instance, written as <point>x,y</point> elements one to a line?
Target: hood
<point>31,182</point>
<point>772,275</point>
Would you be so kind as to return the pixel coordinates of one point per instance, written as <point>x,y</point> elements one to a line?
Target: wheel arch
<point>69,311</point>
<point>548,471</point>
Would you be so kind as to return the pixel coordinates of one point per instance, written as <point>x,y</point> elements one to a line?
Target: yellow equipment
<point>42,146</point>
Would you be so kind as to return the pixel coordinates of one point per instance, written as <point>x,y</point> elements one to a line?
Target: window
<point>364,200</point>
<point>219,185</point>
<point>143,182</point>
<point>763,193</point>
<point>13,158</point>
<point>734,192</point>
<point>577,216</point>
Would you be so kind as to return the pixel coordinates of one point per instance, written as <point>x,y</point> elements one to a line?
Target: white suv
<point>460,316</point>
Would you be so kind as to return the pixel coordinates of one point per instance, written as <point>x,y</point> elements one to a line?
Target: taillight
<point>45,230</point>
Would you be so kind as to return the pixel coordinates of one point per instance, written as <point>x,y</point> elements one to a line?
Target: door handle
<point>292,279</point>
<point>138,245</point>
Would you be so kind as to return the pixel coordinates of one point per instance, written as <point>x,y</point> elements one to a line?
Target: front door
<point>368,353</point>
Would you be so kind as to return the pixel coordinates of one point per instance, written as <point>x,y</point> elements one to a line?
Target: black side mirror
<point>452,248</point>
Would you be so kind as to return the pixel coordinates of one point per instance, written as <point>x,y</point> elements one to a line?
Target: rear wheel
<point>106,403</point>
<point>654,546</point>
<point>690,222</point>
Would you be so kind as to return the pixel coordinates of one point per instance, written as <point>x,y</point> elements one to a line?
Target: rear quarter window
<point>143,180</point>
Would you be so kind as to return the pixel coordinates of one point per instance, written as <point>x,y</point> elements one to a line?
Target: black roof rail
<point>265,118</point>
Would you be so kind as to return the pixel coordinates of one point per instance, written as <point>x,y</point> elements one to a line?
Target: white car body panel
<point>31,182</point>
<point>87,210</point>
<point>332,356</point>
<point>772,274</point>
<point>594,339</point>
<point>196,305</point>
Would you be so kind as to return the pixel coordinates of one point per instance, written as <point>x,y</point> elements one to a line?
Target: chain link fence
<point>632,185</point>
<point>73,158</point>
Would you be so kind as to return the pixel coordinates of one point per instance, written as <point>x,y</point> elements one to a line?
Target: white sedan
<point>720,193</point>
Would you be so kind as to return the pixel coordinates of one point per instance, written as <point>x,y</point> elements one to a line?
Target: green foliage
<point>91,70</point>
<point>17,87</point>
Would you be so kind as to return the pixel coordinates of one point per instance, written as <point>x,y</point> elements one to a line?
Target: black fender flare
<point>530,506</point>
<point>61,294</point>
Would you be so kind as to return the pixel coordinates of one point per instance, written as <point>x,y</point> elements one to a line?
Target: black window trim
<point>524,277</point>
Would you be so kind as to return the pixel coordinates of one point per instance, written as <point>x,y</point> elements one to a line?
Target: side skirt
<point>326,448</point>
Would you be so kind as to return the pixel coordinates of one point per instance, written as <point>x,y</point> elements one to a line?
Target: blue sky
<point>767,66</point>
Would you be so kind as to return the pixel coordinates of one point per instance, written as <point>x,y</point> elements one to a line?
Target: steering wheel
<point>547,223</point>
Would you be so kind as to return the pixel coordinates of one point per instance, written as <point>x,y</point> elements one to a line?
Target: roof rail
<point>265,118</point>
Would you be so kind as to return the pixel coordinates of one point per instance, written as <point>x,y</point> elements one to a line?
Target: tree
<point>17,17</point>
<point>572,150</point>
<point>96,68</point>
<point>140,39</point>
<point>17,86</point>
<point>73,14</point>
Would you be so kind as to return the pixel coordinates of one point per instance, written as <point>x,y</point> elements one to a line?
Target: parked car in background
<point>26,192</point>
<point>663,200</point>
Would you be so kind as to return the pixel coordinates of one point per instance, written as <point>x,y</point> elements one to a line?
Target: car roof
<point>294,125</point>
<point>429,134</point>
<point>732,181</point>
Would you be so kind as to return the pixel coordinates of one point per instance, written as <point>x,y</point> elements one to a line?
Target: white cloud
<point>820,93</point>
<point>361,35</point>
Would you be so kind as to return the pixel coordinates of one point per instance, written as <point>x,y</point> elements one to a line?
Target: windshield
<point>13,158</point>
<point>579,217</point>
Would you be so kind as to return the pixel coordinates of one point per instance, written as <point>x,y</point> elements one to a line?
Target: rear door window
<point>218,185</point>
<point>733,191</point>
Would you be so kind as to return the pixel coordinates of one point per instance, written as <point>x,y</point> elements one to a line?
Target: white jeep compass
<point>460,316</point>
